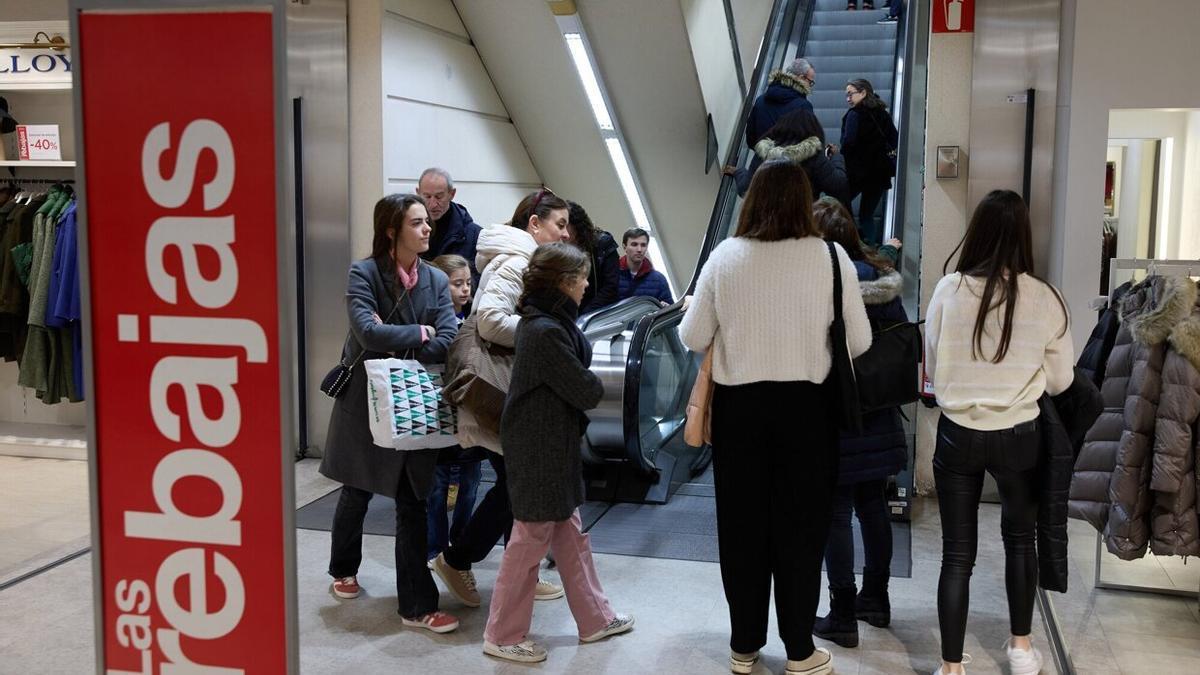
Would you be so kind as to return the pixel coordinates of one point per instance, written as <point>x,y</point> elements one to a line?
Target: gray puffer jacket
<point>1173,478</point>
<point>1111,484</point>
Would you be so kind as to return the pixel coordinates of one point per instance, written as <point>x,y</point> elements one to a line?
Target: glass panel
<point>616,318</point>
<point>668,371</point>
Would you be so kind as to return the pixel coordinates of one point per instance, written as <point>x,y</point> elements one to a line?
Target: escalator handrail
<point>585,321</point>
<point>771,54</point>
<point>631,412</point>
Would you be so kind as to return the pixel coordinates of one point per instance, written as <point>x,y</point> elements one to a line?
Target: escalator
<point>635,450</point>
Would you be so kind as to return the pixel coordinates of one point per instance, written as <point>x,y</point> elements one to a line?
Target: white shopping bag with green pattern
<point>405,405</point>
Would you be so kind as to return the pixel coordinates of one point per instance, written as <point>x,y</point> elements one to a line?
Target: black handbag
<point>841,376</point>
<point>888,374</point>
<point>335,381</point>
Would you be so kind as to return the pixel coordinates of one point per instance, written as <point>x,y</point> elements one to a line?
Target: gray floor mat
<point>685,528</point>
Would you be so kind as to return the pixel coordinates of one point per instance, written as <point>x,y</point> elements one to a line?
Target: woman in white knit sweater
<point>996,338</point>
<point>764,305</point>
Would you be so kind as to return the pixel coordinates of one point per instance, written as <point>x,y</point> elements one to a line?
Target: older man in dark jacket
<point>786,92</point>
<point>454,231</point>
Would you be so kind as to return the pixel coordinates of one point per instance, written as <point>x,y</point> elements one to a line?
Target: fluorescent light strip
<point>587,75</point>
<point>590,79</point>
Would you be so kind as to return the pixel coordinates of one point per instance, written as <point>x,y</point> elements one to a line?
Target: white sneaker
<point>966,660</point>
<point>820,663</point>
<point>743,664</point>
<point>620,624</point>
<point>525,652</point>
<point>547,591</point>
<point>1023,661</point>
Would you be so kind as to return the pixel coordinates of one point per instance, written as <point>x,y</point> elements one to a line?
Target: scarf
<point>408,278</point>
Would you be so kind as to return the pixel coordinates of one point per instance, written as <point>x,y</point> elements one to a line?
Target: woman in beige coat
<point>503,254</point>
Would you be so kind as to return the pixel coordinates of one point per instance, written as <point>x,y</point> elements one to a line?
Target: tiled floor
<point>43,512</point>
<point>682,620</point>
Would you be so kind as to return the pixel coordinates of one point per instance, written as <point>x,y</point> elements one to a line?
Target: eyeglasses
<point>852,94</point>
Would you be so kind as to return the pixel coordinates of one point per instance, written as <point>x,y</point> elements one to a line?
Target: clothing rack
<point>39,181</point>
<point>1188,268</point>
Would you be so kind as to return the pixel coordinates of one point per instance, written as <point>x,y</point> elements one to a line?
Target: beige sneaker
<point>742,664</point>
<point>460,584</point>
<point>820,663</point>
<point>548,591</point>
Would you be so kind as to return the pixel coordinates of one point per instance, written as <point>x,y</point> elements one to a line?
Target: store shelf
<point>34,86</point>
<point>44,163</point>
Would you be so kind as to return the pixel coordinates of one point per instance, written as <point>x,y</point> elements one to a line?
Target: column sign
<point>196,557</point>
<point>953,16</point>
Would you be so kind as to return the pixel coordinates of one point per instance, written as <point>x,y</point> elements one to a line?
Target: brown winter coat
<point>1111,485</point>
<point>1173,478</point>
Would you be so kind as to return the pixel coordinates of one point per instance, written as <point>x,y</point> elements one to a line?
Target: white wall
<point>1116,54</point>
<point>424,98</point>
<point>750,18</point>
<point>947,122</point>
<point>708,33</point>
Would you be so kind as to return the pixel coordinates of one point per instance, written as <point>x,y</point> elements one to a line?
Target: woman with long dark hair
<point>798,137</point>
<point>774,438</point>
<point>869,145</point>
<point>867,458</point>
<point>997,337</point>
<point>603,276</point>
<point>397,304</point>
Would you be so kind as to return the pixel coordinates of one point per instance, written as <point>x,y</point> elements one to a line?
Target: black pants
<point>961,457</point>
<point>492,520</point>
<point>415,589</point>
<point>870,225</point>
<point>869,502</point>
<point>775,468</point>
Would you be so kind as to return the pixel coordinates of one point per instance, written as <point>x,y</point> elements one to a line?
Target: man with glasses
<point>454,231</point>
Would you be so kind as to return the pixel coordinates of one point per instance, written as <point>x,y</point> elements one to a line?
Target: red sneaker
<point>346,587</point>
<point>438,622</point>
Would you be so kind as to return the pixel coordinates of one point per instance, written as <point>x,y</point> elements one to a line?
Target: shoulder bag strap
<point>837,286</point>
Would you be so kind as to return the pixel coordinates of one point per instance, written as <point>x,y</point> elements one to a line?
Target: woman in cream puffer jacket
<point>1111,488</point>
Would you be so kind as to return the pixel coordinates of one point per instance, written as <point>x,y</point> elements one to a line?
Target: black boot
<point>840,626</point>
<point>873,605</point>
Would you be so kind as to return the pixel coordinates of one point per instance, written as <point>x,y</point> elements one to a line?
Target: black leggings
<point>961,457</point>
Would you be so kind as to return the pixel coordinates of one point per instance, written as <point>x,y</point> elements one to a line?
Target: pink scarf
<point>408,278</point>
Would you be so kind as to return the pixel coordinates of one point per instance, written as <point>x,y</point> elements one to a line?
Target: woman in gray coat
<point>541,431</point>
<point>398,305</point>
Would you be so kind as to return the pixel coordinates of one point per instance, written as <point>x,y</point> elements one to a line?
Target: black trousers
<point>870,225</point>
<point>417,593</point>
<point>959,462</point>
<point>491,520</point>
<point>775,469</point>
<point>869,502</point>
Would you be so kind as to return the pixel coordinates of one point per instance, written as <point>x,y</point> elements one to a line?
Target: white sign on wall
<point>30,67</point>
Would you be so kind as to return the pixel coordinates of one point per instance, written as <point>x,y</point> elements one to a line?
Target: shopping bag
<point>406,407</point>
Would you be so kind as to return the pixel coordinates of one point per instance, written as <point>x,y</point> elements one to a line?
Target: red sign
<point>179,124</point>
<point>954,16</point>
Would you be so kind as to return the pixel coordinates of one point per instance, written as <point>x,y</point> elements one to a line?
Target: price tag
<point>38,141</point>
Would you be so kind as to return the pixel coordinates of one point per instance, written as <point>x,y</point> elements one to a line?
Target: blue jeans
<point>869,502</point>
<point>467,475</point>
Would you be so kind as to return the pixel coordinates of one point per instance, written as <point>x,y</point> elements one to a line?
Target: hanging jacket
<point>785,93</point>
<point>1173,478</point>
<point>1094,357</point>
<point>826,175</point>
<point>1111,485</point>
<point>881,449</point>
<point>1063,420</point>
